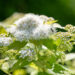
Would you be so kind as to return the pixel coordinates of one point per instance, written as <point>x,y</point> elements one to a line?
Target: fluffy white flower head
<point>32,27</point>
<point>29,21</point>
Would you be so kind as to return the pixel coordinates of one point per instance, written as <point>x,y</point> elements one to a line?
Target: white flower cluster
<point>31,27</point>
<point>27,53</point>
<point>5,41</point>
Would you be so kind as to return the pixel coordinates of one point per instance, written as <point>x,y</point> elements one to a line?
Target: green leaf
<point>42,73</point>
<point>59,68</point>
<point>19,64</point>
<point>2,30</point>
<point>17,45</point>
<point>57,41</point>
<point>49,43</point>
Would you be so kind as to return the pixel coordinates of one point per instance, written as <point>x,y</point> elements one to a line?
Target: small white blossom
<point>44,18</point>
<point>56,25</point>
<point>22,35</point>
<point>5,66</point>
<point>12,29</point>
<point>5,41</point>
<point>27,53</point>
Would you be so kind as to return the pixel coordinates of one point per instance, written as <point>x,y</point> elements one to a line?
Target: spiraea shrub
<point>34,45</point>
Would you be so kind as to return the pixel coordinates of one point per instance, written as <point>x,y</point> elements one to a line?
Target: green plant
<point>33,44</point>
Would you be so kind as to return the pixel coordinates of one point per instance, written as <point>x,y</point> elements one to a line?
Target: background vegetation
<point>62,10</point>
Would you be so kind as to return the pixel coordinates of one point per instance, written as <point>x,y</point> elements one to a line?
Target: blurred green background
<point>62,10</point>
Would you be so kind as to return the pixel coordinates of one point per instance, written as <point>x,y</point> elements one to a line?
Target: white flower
<point>43,31</point>
<point>56,25</point>
<point>5,66</point>
<point>5,41</point>
<point>29,21</point>
<point>27,53</point>
<point>22,35</point>
<point>31,27</point>
<point>12,29</point>
<point>45,18</point>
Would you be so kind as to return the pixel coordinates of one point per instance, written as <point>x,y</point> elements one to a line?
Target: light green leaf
<point>19,64</point>
<point>49,43</point>
<point>2,30</point>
